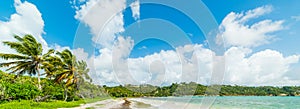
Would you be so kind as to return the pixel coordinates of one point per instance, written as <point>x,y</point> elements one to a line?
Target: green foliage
<point>20,91</point>
<point>192,88</point>
<point>16,89</point>
<point>24,88</point>
<point>53,89</point>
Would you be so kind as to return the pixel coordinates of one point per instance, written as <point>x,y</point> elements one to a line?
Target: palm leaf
<point>13,56</point>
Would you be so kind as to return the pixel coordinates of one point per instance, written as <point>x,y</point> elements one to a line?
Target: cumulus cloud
<point>163,68</point>
<point>243,66</point>
<point>103,65</point>
<point>26,20</point>
<point>267,67</point>
<point>236,32</point>
<point>105,19</point>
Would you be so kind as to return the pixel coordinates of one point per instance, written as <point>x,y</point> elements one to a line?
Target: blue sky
<point>159,29</point>
<point>60,24</point>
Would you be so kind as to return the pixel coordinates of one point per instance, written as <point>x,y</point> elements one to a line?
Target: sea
<point>224,102</point>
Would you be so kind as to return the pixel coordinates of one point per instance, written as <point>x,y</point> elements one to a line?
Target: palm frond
<point>51,51</point>
<point>18,38</point>
<point>7,64</point>
<point>13,56</point>
<point>18,46</point>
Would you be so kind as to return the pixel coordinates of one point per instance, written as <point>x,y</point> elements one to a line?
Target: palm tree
<point>28,59</point>
<point>67,70</point>
<point>81,75</point>
<point>71,71</point>
<point>82,72</point>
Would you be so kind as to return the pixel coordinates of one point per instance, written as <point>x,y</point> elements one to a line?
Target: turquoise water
<point>248,102</point>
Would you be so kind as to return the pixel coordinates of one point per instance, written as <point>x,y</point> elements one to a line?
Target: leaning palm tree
<point>28,59</point>
<point>67,70</point>
<point>70,71</point>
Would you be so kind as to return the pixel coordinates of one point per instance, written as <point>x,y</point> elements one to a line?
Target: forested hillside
<point>192,88</point>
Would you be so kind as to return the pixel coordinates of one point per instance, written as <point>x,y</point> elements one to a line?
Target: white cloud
<point>80,54</point>
<point>111,62</point>
<point>26,20</point>
<point>135,8</point>
<point>105,19</point>
<point>59,48</point>
<point>158,68</point>
<point>267,67</point>
<point>243,67</point>
<point>236,32</point>
<point>187,63</point>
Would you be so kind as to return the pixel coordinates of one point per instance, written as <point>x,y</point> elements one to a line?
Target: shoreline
<point>165,103</point>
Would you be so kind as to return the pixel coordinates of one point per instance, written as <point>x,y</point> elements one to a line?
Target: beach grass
<point>29,104</point>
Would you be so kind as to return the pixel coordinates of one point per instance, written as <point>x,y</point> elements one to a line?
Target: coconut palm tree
<point>72,72</point>
<point>28,59</point>
<point>67,70</point>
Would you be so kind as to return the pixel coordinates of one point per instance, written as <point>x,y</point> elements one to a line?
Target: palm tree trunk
<point>66,94</point>
<point>39,80</point>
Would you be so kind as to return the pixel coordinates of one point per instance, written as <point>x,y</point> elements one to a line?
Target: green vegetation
<point>29,104</point>
<point>37,80</point>
<point>54,104</point>
<point>192,88</point>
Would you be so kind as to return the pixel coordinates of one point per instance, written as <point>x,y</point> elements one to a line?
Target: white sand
<point>139,103</point>
<point>105,104</point>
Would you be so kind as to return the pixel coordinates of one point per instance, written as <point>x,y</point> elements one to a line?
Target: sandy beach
<point>227,102</point>
<point>136,103</point>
